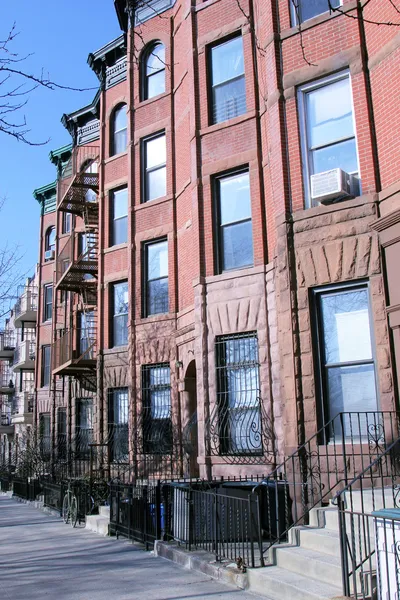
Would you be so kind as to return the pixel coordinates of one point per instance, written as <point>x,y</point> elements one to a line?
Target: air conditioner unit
<point>49,255</point>
<point>331,186</point>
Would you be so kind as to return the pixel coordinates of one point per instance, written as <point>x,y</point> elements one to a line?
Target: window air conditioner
<point>331,186</point>
<point>49,255</point>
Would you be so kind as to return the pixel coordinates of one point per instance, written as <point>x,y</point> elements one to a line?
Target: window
<point>47,302</point>
<point>327,127</point>
<point>346,363</point>
<point>84,426</point>
<point>306,9</point>
<point>154,167</point>
<point>238,394</point>
<point>234,227</point>
<point>46,365</point>
<point>153,73</point>
<point>120,314</point>
<point>119,212</point>
<point>44,435</point>
<point>156,397</point>
<point>87,334</point>
<point>118,410</point>
<point>228,85</point>
<point>66,222</point>
<point>61,433</point>
<point>156,278</point>
<point>119,130</point>
<point>50,244</point>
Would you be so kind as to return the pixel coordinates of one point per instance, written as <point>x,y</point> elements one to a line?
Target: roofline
<point>104,50</point>
<point>41,191</point>
<point>54,154</point>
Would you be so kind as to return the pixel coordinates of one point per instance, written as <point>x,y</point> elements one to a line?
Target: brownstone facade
<point>298,248</point>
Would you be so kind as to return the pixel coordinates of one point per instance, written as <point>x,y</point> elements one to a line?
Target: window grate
<point>156,409</point>
<point>238,427</point>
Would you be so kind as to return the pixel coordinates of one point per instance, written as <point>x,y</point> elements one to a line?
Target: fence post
<point>157,510</point>
<point>144,497</point>
<point>259,529</point>
<point>215,516</point>
<point>250,509</point>
<point>344,449</point>
<point>190,517</point>
<point>343,545</point>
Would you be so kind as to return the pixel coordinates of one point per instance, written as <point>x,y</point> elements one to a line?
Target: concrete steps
<point>281,584</point>
<point>99,523</point>
<point>308,567</point>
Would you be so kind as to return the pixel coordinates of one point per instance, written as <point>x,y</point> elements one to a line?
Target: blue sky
<point>61,35</point>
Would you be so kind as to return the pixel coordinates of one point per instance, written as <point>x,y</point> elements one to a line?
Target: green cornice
<point>60,154</point>
<point>44,192</point>
<point>46,196</point>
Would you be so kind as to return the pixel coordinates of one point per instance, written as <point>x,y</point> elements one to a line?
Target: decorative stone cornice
<point>104,59</point>
<point>83,124</point>
<point>46,196</point>
<point>134,12</point>
<point>116,73</point>
<point>387,221</point>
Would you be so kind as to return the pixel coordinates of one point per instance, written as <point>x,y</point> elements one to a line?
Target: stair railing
<point>375,488</point>
<point>320,468</point>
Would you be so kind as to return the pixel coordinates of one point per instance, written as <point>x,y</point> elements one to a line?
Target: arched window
<point>153,71</point>
<point>50,243</point>
<point>119,130</point>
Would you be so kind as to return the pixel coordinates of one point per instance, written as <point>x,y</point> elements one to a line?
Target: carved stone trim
<point>89,132</point>
<point>116,73</point>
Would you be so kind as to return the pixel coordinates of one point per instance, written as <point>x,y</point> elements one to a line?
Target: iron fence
<point>26,488</point>
<point>53,494</point>
<point>323,466</point>
<point>369,530</point>
<point>5,483</point>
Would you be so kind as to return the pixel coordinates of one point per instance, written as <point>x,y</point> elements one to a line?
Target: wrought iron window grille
<point>239,427</point>
<point>156,414</point>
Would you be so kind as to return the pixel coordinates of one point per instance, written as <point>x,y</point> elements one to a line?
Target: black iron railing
<point>29,489</point>
<point>368,550</point>
<point>321,467</point>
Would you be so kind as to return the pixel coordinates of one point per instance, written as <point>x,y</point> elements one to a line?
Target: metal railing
<point>7,340</point>
<point>83,260</point>
<point>23,403</point>
<point>24,352</point>
<point>27,302</point>
<point>321,467</point>
<point>29,489</point>
<point>5,419</point>
<point>74,345</point>
<point>72,190</point>
<point>369,550</point>
<point>6,381</point>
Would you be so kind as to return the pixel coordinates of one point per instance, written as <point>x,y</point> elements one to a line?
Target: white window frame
<point>293,14</point>
<point>302,116</point>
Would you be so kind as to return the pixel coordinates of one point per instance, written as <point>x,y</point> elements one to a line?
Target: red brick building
<point>219,288</point>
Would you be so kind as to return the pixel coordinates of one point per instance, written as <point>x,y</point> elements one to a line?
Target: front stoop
<point>99,523</point>
<point>202,562</point>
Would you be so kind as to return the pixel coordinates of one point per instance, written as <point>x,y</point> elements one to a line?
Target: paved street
<point>40,557</point>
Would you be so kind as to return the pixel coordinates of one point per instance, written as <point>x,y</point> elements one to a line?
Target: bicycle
<point>70,507</point>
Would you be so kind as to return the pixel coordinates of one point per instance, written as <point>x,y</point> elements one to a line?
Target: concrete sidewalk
<point>41,557</point>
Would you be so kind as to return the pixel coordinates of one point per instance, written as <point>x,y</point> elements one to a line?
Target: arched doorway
<point>190,433</point>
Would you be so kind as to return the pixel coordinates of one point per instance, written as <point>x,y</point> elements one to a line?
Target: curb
<point>38,504</point>
<point>203,563</point>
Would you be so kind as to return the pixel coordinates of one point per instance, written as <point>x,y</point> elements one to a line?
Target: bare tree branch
<point>11,273</point>
<point>17,82</point>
